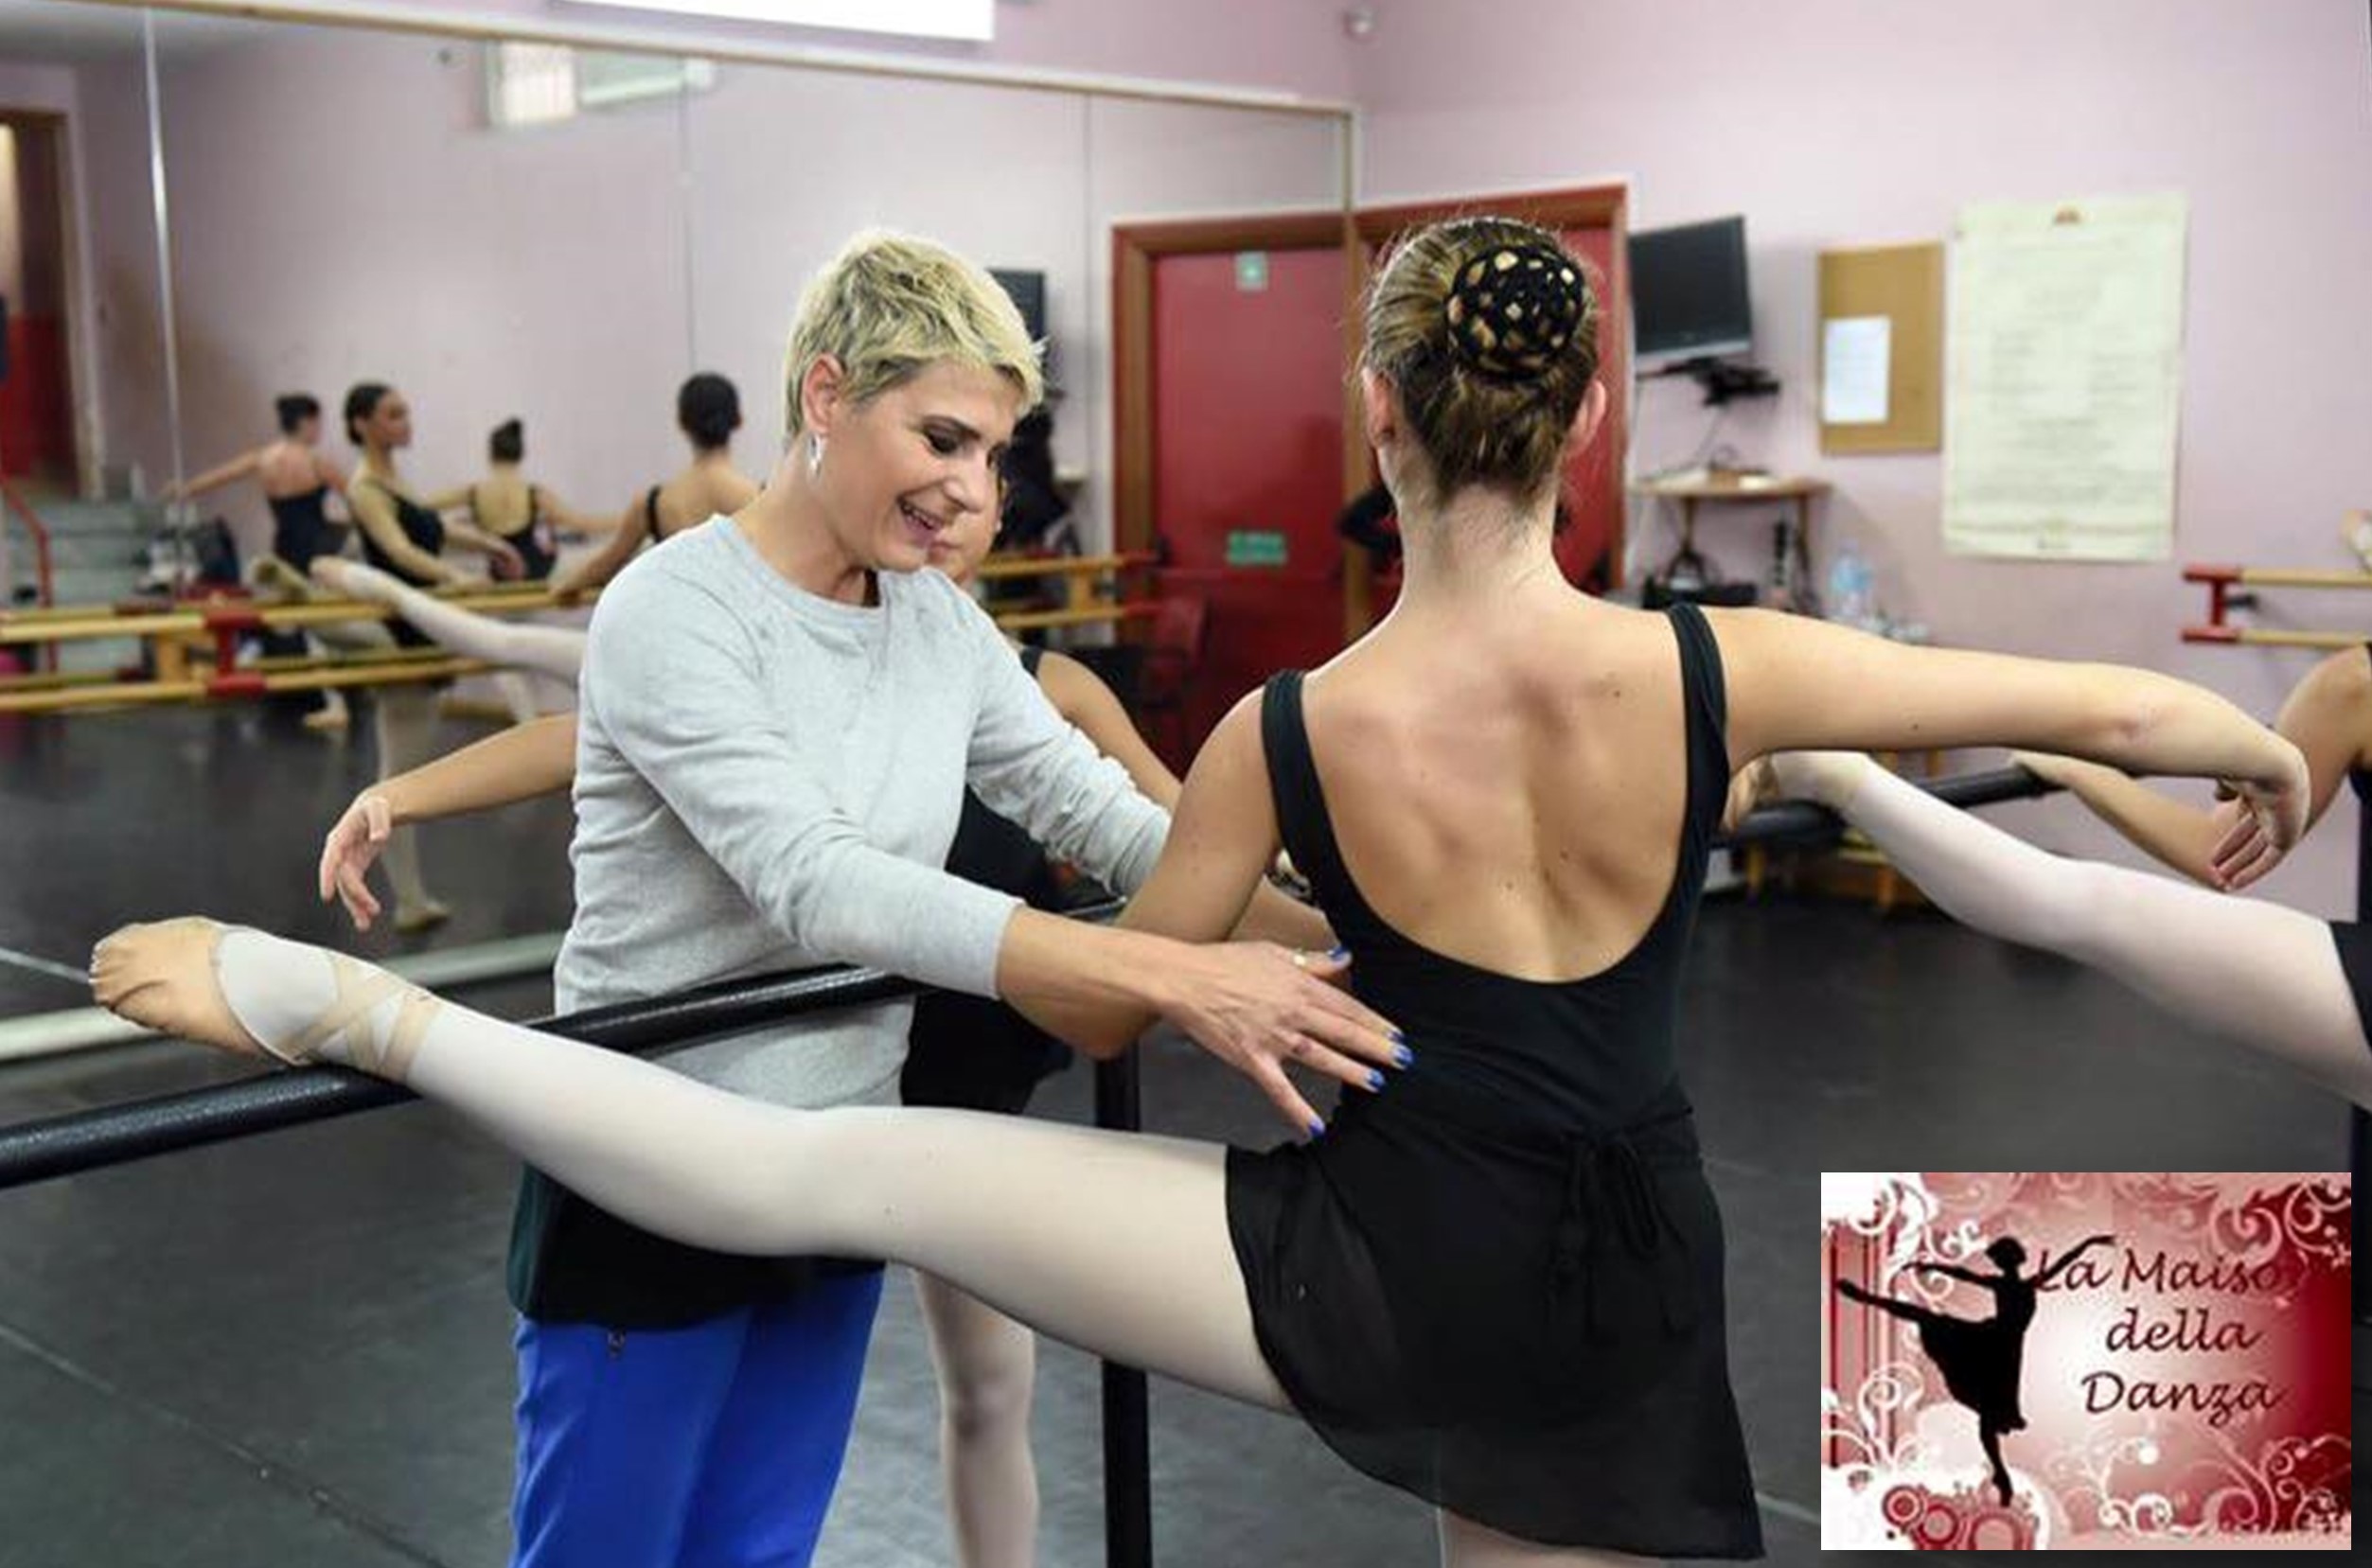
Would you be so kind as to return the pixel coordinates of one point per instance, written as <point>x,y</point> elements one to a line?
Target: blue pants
<point>716,1446</point>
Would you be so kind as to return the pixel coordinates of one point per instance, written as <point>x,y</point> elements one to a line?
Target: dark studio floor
<point>295,1348</point>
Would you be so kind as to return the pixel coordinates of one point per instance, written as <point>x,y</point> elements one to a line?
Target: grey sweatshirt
<point>769,779</point>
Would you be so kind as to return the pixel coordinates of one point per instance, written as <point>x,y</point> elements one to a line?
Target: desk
<point>1735,487</point>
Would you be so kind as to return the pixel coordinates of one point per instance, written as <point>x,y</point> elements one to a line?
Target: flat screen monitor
<point>1688,291</point>
<point>1029,292</point>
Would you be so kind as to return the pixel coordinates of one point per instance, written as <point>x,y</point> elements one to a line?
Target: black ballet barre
<point>90,1140</point>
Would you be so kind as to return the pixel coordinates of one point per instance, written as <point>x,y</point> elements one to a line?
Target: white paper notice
<point>1855,356</point>
<point>2065,353</point>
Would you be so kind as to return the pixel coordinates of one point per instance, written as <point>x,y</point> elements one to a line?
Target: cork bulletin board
<point>1902,286</point>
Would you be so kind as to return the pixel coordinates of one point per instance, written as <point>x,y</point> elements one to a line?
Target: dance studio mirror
<point>500,230</point>
<point>513,229</point>
<point>497,231</point>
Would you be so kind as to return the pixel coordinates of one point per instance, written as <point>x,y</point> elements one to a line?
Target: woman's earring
<point>815,455</point>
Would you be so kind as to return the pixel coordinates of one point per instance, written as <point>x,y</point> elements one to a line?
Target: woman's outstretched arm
<point>1797,684</point>
<point>519,763</point>
<point>2327,715</point>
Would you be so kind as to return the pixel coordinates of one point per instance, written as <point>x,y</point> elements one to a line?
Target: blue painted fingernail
<point>1318,1129</point>
<point>1339,953</point>
<point>1406,1057</point>
<point>1374,1079</point>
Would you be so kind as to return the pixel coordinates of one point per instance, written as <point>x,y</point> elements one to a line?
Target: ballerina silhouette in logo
<point>1980,1357</point>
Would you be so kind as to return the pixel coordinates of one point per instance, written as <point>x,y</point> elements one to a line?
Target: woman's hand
<point>2261,820</point>
<point>2052,769</point>
<point>348,854</point>
<point>1257,1007</point>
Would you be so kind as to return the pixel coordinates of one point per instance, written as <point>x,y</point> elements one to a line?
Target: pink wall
<point>1294,46</point>
<point>1838,122</point>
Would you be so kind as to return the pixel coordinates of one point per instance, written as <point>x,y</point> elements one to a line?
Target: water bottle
<point>1848,587</point>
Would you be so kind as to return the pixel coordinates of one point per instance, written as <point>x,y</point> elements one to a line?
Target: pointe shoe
<point>332,715</point>
<point>167,977</point>
<point>411,918</point>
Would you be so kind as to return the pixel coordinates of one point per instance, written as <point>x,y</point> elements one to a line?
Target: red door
<point>36,401</point>
<point>1248,399</point>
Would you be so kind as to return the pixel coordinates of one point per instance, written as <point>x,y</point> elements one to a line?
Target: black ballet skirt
<point>1498,1283</point>
<point>301,528</point>
<point>974,1054</point>
<point>425,529</point>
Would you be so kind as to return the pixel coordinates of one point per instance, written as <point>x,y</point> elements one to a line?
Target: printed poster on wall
<point>2063,357</point>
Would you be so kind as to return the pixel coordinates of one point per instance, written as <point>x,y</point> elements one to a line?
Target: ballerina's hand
<point>2261,821</point>
<point>2244,851</point>
<point>2046,767</point>
<point>1257,1006</point>
<point>348,854</point>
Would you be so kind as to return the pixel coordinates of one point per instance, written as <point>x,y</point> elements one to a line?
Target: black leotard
<point>426,530</point>
<point>975,1053</point>
<point>1498,1283</point>
<point>301,528</point>
<point>539,547</point>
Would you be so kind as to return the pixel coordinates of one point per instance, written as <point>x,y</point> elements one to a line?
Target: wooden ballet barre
<point>1000,567</point>
<point>235,684</point>
<point>203,617</point>
<point>2267,637</point>
<point>1082,603</point>
<point>44,680</point>
<point>2227,588</point>
<point>344,659</point>
<point>1103,614</point>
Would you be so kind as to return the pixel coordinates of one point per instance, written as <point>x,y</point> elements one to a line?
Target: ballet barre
<point>1084,601</point>
<point>53,1147</point>
<point>50,696</point>
<point>88,1140</point>
<point>227,616</point>
<point>182,636</point>
<point>2228,588</point>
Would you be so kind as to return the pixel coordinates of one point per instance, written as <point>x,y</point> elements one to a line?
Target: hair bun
<point>1513,309</point>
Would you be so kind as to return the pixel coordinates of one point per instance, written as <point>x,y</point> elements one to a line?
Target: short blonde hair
<point>890,305</point>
